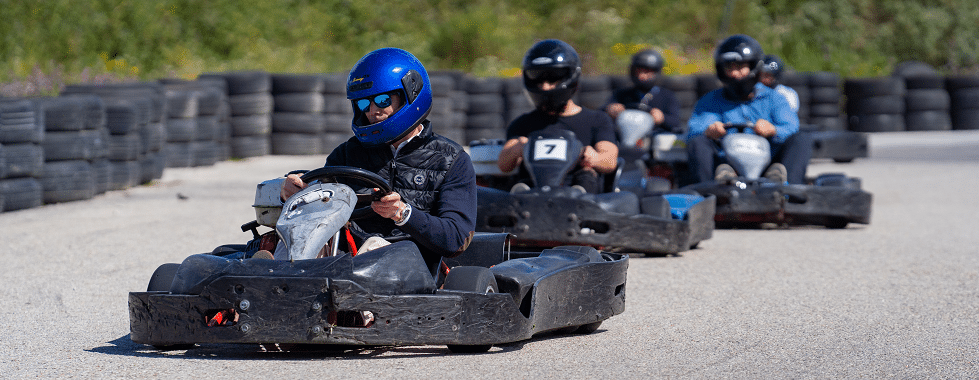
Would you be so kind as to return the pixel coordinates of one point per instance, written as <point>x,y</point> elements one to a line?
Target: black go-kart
<point>831,200</point>
<point>313,293</point>
<point>543,211</point>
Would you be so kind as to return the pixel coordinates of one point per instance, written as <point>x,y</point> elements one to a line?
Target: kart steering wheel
<point>332,173</point>
<point>740,127</point>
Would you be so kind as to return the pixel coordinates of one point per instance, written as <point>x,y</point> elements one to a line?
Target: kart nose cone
<point>312,216</point>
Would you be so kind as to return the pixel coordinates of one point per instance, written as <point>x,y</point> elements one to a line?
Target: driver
<point>645,95</point>
<point>742,100</point>
<point>771,76</point>
<point>434,197</point>
<point>551,70</point>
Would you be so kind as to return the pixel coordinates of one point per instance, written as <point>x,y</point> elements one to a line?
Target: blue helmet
<point>386,70</point>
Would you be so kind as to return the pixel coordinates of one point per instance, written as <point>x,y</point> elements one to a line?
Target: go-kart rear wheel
<point>837,223</point>
<point>470,279</point>
<point>162,278</point>
<point>588,328</point>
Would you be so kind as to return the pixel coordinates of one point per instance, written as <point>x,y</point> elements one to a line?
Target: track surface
<point>897,298</point>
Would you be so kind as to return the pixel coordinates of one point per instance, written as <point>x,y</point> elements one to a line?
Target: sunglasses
<point>382,101</point>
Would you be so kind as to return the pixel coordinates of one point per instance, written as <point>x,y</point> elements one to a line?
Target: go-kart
<point>315,293</point>
<point>749,200</point>
<point>546,212</point>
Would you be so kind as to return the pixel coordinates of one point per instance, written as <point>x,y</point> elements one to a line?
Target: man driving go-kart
<point>551,70</point>
<point>743,100</point>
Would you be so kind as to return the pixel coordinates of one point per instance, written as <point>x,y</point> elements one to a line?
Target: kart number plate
<point>551,149</point>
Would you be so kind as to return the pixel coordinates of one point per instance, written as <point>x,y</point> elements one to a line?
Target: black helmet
<point>648,59</point>
<point>738,48</point>
<point>773,65</point>
<point>551,61</point>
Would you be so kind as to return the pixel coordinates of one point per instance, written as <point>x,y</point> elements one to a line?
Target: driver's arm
<point>512,154</point>
<point>603,157</point>
<point>448,228</point>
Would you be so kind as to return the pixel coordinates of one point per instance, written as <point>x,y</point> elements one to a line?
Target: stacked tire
<point>875,104</point>
<point>594,91</point>
<point>707,82</point>
<point>74,137</point>
<point>515,102</point>
<point>197,124</point>
<point>685,89</point>
<point>134,117</point>
<point>21,154</point>
<point>298,120</point>
<point>338,112</point>
<point>251,105</point>
<point>487,106</point>
<point>964,101</point>
<point>926,103</point>
<point>824,102</point>
<point>799,82</point>
<point>446,117</point>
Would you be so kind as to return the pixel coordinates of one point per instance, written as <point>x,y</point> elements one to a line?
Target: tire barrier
<point>963,101</point>
<point>449,103</point>
<point>96,138</point>
<point>487,107</point>
<point>250,104</point>
<point>298,120</point>
<point>338,112</point>
<point>825,100</point>
<point>875,104</point>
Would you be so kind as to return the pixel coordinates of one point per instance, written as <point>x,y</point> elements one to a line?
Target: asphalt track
<point>896,299</point>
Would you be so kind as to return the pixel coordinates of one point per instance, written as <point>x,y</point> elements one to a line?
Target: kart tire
<point>162,277</point>
<point>927,100</point>
<point>181,130</point>
<point>305,102</point>
<point>251,104</point>
<point>588,328</point>
<point>243,82</point>
<point>298,122</point>
<point>486,85</point>
<point>936,120</point>
<point>824,95</point>
<point>69,145</point>
<point>294,83</point>
<point>295,144</point>
<point>21,193</point>
<point>485,103</point>
<point>470,279</point>
<point>182,104</point>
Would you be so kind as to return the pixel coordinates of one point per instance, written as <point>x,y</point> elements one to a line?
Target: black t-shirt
<point>590,126</point>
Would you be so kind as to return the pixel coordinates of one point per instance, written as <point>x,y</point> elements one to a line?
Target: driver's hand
<point>658,116</point>
<point>764,128</point>
<point>589,158</point>
<point>290,186</point>
<point>390,206</point>
<point>614,109</point>
<point>716,130</point>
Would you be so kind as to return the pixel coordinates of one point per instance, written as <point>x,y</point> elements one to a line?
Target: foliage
<point>83,40</point>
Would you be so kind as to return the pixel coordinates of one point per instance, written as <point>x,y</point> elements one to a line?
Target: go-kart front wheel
<point>470,279</point>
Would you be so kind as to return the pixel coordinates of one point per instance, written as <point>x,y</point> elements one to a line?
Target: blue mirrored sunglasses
<point>382,101</point>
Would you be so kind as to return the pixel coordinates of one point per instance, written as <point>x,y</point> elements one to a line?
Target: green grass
<point>45,43</point>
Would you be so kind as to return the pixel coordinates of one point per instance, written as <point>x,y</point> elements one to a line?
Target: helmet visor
<point>550,74</point>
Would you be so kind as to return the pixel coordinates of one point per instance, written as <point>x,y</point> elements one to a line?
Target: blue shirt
<point>767,104</point>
